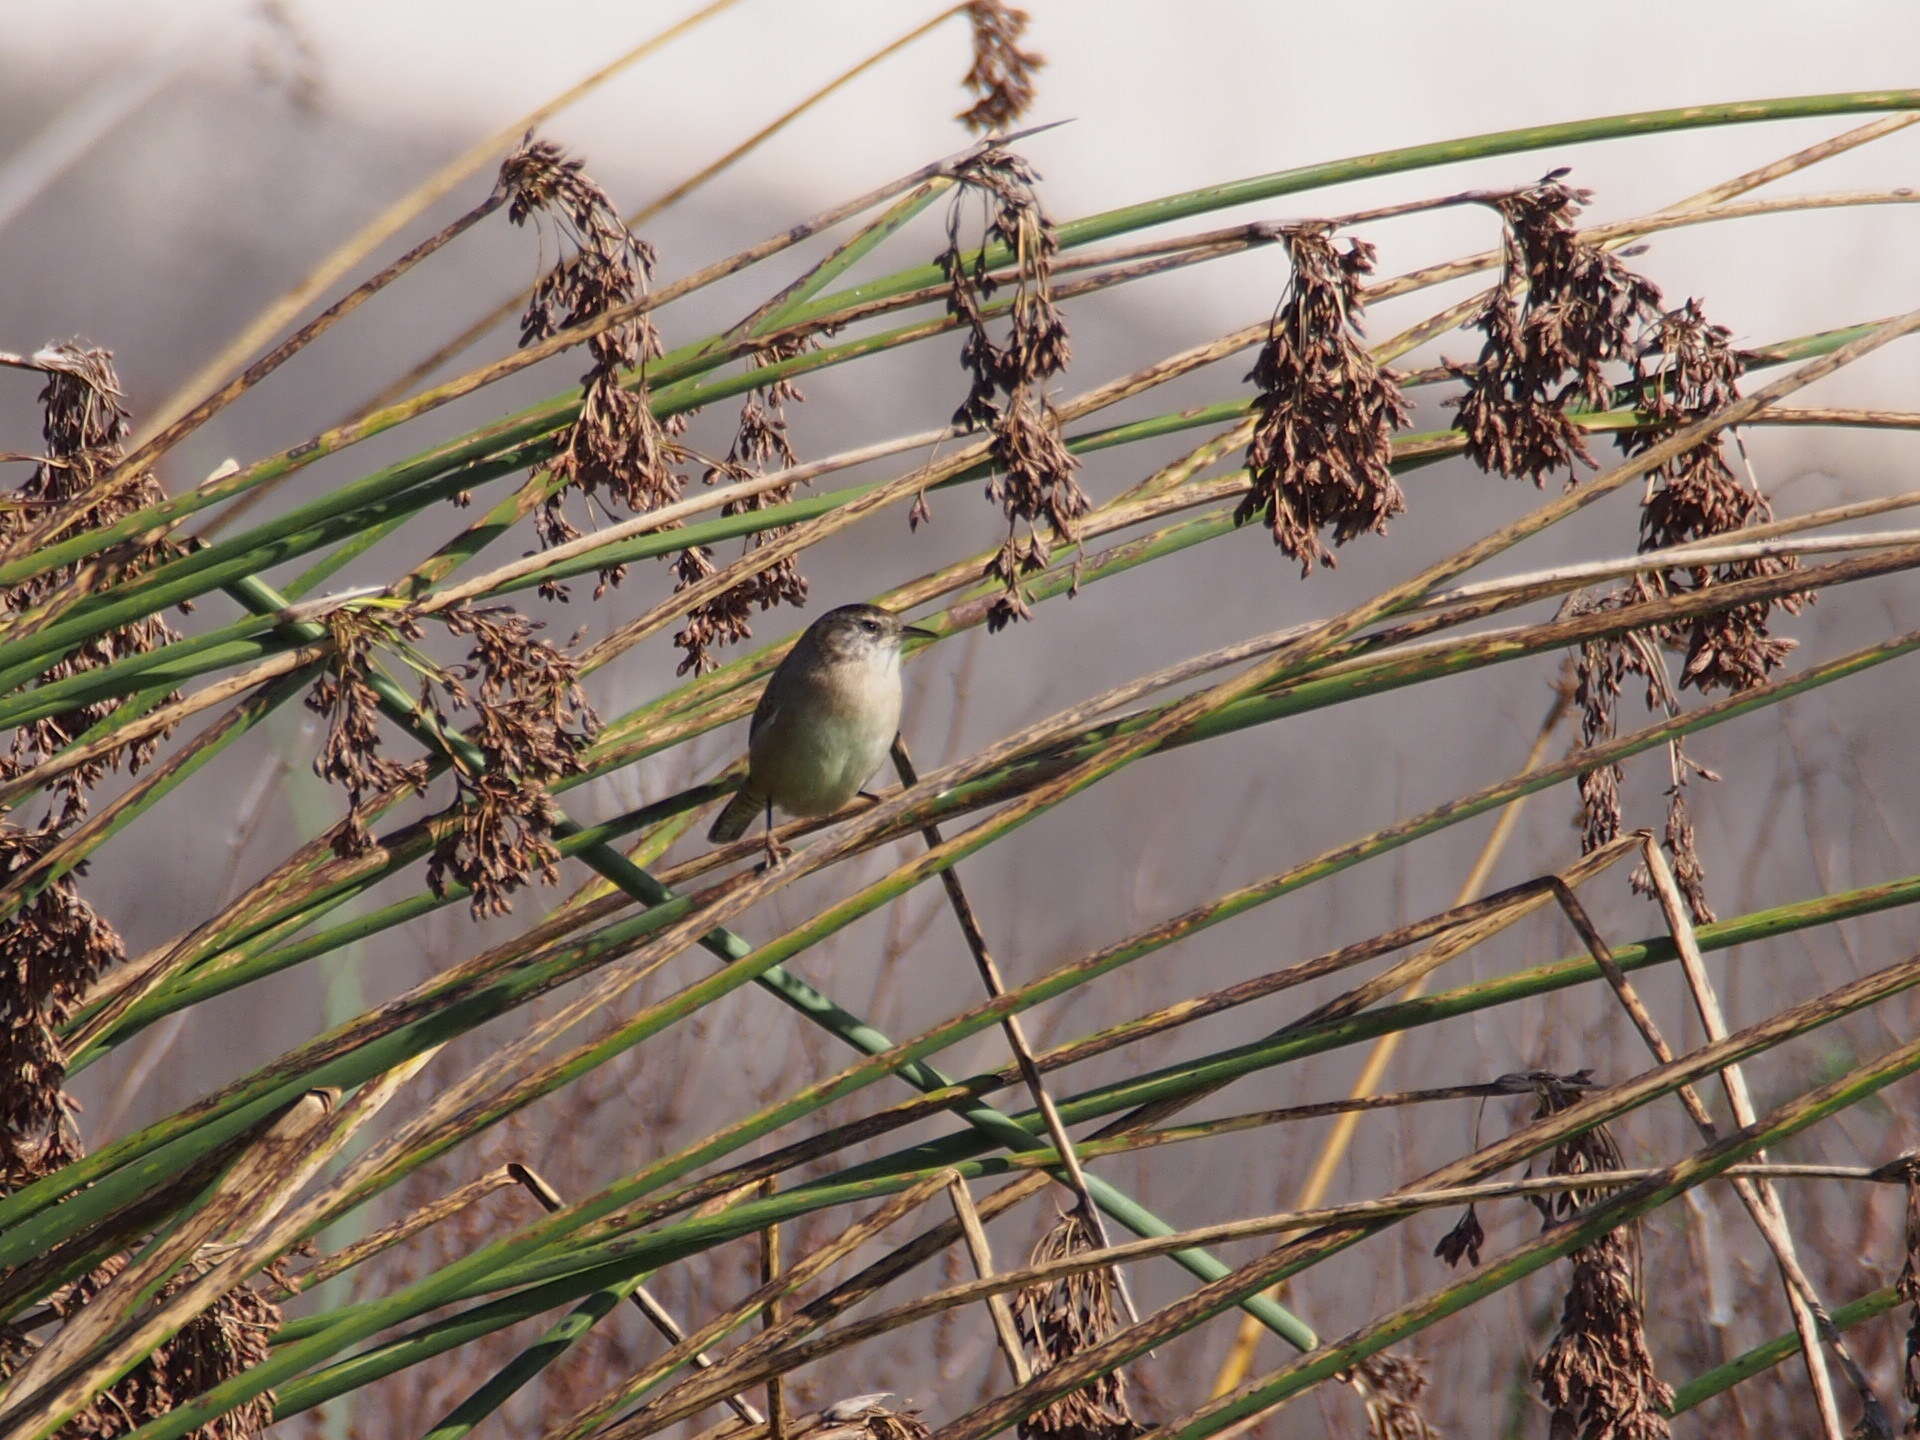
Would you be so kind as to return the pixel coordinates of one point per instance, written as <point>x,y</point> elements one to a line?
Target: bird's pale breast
<point>827,735</point>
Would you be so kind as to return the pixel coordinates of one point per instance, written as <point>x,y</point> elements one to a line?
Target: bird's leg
<point>776,852</point>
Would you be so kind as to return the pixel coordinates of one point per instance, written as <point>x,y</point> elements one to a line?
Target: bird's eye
<point>872,626</point>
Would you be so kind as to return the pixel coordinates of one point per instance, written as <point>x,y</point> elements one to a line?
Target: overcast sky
<point>1162,95</point>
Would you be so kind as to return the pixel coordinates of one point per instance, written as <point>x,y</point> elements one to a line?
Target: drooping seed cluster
<point>1390,1387</point>
<point>1600,670</point>
<point>1564,310</point>
<point>352,754</point>
<point>1596,1374</point>
<point>1033,473</point>
<point>759,444</point>
<point>1058,1319</point>
<point>531,723</point>
<point>615,447</point>
<point>84,425</point>
<point>1001,75</point>
<point>1685,369</point>
<point>55,945</point>
<point>1325,412</point>
<point>1570,325</point>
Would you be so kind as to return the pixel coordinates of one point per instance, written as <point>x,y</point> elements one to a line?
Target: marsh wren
<point>825,721</point>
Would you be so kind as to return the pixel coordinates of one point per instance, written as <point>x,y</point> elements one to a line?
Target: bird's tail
<point>741,812</point>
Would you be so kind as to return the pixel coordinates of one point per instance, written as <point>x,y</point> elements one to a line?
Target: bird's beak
<point>921,631</point>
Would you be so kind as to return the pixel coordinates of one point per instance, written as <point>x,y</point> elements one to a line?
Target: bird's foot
<point>776,856</point>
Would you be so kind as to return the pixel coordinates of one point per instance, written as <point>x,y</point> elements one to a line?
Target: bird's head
<point>858,633</point>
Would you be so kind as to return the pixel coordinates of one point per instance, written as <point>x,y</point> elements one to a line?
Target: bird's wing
<point>763,713</point>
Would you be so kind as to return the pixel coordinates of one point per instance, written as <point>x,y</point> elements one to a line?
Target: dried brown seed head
<point>496,842</point>
<point>760,441</point>
<point>51,949</point>
<point>85,425</point>
<point>1390,1387</point>
<point>615,446</point>
<point>1056,1321</point>
<point>533,717</point>
<point>1033,477</point>
<point>1563,311</point>
<point>229,1336</point>
<point>1689,873</point>
<point>1580,1154</point>
<point>1600,669</point>
<point>532,723</point>
<point>351,754</point>
<point>723,620</point>
<point>1597,1373</point>
<point>1685,370</point>
<point>1464,1240</point>
<point>1322,448</point>
<point>1002,73</point>
<point>50,952</point>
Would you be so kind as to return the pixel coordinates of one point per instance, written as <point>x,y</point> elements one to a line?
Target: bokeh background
<point>167,171</point>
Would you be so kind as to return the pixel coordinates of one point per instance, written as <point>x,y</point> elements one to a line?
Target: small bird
<point>825,721</point>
